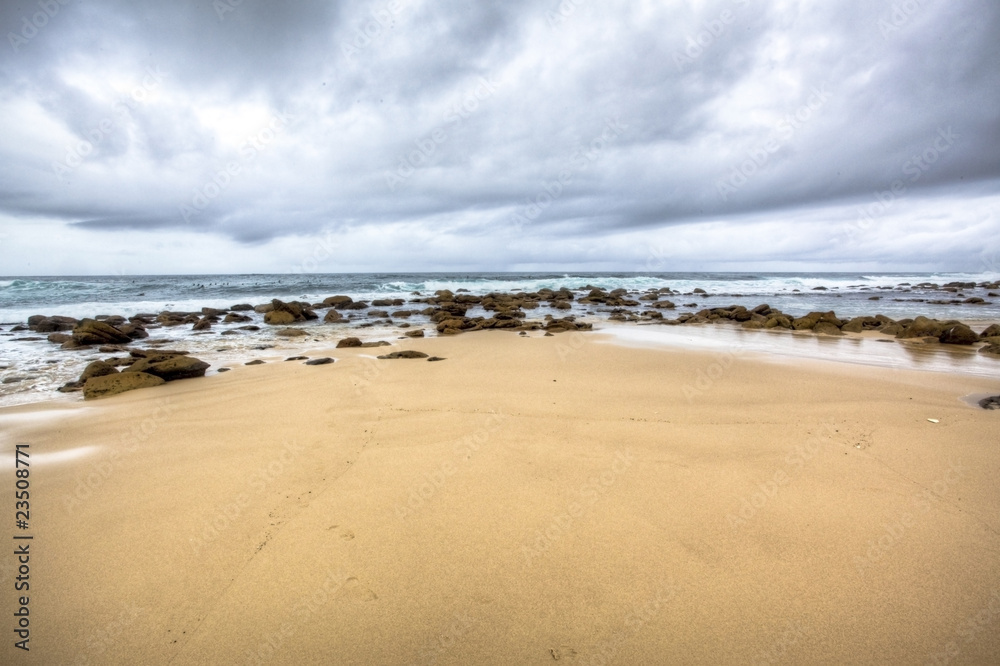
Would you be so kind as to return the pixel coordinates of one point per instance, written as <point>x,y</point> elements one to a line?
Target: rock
<point>959,334</point>
<point>59,338</point>
<point>233,318</point>
<point>778,321</point>
<point>892,329</point>
<point>378,314</point>
<point>752,324</point>
<point>108,385</point>
<point>859,324</point>
<point>922,327</point>
<point>53,324</point>
<point>826,328</point>
<point>338,302</point>
<point>93,332</point>
<point>990,403</point>
<point>263,308</point>
<point>297,358</point>
<point>418,333</point>
<point>97,369</point>
<point>202,324</point>
<point>349,342</point>
<point>377,343</point>
<point>255,362</point>
<point>135,331</point>
<point>332,317</point>
<point>279,318</point>
<point>992,350</point>
<point>224,369</point>
<point>170,368</point>
<point>803,323</point>
<point>698,290</point>
<point>241,307</point>
<point>407,353</point>
<point>319,361</point>
<point>291,333</point>
<point>990,331</point>
<point>436,358</point>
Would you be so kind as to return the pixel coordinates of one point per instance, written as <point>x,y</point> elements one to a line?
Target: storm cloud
<point>251,136</point>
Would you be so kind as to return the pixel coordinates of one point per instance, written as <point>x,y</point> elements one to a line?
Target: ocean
<point>33,369</point>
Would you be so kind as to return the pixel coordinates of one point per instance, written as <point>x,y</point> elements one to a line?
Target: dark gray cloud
<point>254,124</point>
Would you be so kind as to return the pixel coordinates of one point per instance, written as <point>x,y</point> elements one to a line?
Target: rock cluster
<point>139,370</point>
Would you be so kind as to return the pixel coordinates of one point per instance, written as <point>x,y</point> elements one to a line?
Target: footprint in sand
<point>355,590</point>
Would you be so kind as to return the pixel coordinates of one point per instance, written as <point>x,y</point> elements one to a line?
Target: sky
<point>249,136</point>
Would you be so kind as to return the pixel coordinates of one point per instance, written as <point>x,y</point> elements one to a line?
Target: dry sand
<point>527,500</point>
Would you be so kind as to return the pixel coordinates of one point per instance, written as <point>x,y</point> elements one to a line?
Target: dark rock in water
<point>279,318</point>
<point>170,368</point>
<point>255,362</point>
<point>337,301</point>
<point>418,333</point>
<point>71,387</point>
<point>97,369</point>
<point>53,324</point>
<point>34,320</point>
<point>959,334</point>
<point>297,358</point>
<point>224,369</point>
<point>14,380</point>
<point>921,327</point>
<point>202,324</point>
<point>407,353</point>
<point>241,307</point>
<point>291,333</point>
<point>59,338</point>
<point>859,324</point>
<point>93,332</point>
<point>990,403</point>
<point>992,350</point>
<point>19,327</point>
<point>332,317</point>
<point>108,385</point>
<point>974,300</point>
<point>377,343</point>
<point>251,327</point>
<point>319,361</point>
<point>436,358</point>
<point>233,318</point>
<point>378,313</point>
<point>349,342</point>
<point>698,290</point>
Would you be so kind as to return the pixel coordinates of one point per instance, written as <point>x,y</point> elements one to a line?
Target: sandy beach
<point>527,500</point>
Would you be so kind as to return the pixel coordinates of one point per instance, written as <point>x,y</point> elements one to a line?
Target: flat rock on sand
<point>107,385</point>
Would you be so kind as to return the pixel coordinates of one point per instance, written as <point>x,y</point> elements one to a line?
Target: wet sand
<point>529,499</point>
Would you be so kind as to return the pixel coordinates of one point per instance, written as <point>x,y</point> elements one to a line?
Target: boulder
<point>418,333</point>
<point>279,318</point>
<point>93,332</point>
<point>337,301</point>
<point>960,334</point>
<point>53,324</point>
<point>170,368</point>
<point>990,331</point>
<point>992,350</point>
<point>108,385</point>
<point>291,333</point>
<point>241,307</point>
<point>319,361</point>
<point>826,328</point>
<point>922,327</point>
<point>407,353</point>
<point>349,342</point>
<point>332,317</point>
<point>97,369</point>
<point>59,338</point>
<point>990,403</point>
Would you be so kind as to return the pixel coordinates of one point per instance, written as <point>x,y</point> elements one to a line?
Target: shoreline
<point>521,498</point>
<point>239,333</point>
